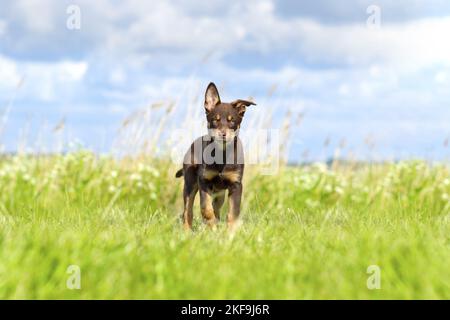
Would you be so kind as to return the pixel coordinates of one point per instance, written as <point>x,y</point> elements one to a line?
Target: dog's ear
<point>212,97</point>
<point>241,105</point>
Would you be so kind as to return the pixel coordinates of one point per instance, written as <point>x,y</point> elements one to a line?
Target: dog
<point>214,163</point>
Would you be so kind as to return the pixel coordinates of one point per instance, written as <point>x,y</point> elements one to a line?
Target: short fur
<point>224,167</point>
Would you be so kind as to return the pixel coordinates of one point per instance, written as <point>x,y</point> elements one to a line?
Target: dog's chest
<point>229,176</point>
<point>220,178</point>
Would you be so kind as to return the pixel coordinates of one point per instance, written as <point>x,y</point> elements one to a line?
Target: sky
<point>371,78</point>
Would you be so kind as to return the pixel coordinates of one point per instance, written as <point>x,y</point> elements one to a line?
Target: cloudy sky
<point>357,80</point>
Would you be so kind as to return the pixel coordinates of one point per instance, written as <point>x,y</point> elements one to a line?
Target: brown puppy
<point>215,162</point>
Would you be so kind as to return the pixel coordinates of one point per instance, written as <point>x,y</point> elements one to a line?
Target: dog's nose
<point>223,134</point>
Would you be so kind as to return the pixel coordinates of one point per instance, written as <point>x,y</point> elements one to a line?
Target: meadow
<point>308,232</point>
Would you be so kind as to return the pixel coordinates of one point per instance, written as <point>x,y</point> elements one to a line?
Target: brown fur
<point>214,163</point>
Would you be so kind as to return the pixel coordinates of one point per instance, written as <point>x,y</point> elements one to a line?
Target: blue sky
<point>389,85</point>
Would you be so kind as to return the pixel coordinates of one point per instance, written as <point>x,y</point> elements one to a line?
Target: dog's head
<point>224,119</point>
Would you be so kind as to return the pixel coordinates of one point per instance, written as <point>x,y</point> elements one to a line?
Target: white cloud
<point>72,71</point>
<point>163,27</point>
<point>50,81</point>
<point>183,32</point>
<point>132,36</point>
<point>42,81</point>
<point>167,27</point>
<point>37,16</point>
<point>9,75</point>
<point>441,77</point>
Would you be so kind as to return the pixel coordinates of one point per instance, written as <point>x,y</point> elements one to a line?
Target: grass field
<point>309,232</point>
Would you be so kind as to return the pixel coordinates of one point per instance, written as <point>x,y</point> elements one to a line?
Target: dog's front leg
<point>234,197</point>
<point>206,205</point>
<point>189,191</point>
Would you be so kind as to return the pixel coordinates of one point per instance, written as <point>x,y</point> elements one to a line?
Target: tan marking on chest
<point>232,176</point>
<point>209,174</point>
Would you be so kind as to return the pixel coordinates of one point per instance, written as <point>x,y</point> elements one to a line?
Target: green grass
<point>307,233</point>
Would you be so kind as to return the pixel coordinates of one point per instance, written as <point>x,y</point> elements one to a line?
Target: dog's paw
<point>234,226</point>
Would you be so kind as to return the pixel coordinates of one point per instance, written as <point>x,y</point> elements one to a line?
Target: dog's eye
<point>230,118</point>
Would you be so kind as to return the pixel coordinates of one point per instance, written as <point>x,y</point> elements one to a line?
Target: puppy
<point>215,162</point>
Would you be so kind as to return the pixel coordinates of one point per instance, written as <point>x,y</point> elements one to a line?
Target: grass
<point>308,232</point>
